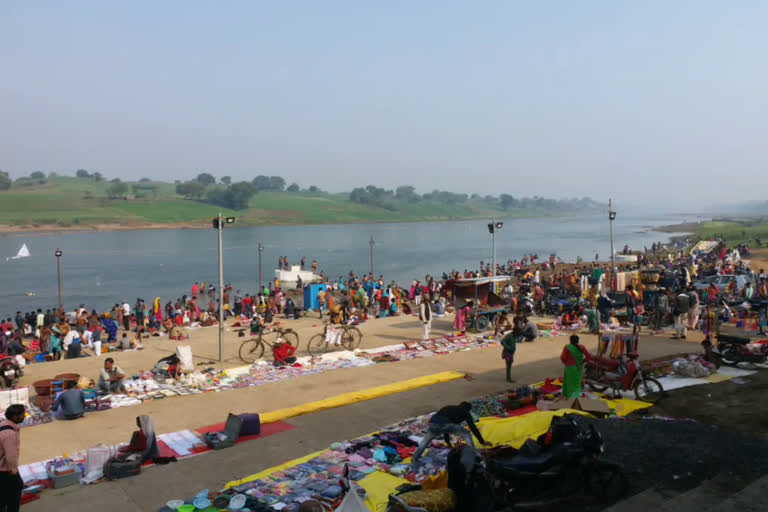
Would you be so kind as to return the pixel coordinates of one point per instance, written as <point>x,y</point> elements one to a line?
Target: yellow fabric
<point>717,377</point>
<point>438,481</point>
<point>274,469</point>
<point>515,431</point>
<point>359,396</point>
<point>625,406</point>
<point>379,485</point>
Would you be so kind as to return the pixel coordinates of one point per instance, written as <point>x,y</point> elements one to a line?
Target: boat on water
<point>23,253</point>
<point>291,277</point>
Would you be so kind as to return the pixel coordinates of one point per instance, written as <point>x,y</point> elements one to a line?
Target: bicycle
<point>351,338</point>
<point>253,348</point>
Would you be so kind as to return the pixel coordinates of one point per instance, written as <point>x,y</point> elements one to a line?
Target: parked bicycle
<point>253,349</point>
<point>350,338</point>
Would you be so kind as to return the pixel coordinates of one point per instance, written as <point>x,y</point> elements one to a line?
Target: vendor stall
<point>479,294</point>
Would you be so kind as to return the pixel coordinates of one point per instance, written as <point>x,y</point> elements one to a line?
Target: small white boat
<point>291,277</point>
<point>23,253</point>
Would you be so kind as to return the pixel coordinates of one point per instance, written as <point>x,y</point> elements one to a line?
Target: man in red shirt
<point>195,289</point>
<point>247,303</point>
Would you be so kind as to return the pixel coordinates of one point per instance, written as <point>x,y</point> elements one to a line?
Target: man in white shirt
<point>126,316</point>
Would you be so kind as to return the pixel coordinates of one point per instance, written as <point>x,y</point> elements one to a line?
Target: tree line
<point>406,194</point>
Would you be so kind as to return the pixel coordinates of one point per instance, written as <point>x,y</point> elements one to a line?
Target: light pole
<point>261,249</point>
<point>493,227</point>
<point>611,218</point>
<point>371,244</point>
<point>218,224</point>
<point>58,254</point>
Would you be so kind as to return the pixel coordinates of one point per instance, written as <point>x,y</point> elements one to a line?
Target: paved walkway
<point>156,485</point>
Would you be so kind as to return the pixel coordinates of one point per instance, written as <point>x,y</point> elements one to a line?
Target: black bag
<point>121,466</point>
<point>227,438</point>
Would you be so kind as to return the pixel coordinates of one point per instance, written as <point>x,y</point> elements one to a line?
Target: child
<point>509,342</point>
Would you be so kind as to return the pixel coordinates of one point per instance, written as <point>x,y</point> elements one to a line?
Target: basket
<point>43,387</point>
<point>68,377</point>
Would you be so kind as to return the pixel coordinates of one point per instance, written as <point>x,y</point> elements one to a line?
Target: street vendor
<point>573,357</point>
<point>111,377</point>
<point>446,421</point>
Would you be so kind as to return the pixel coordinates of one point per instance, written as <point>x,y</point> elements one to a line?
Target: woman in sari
<point>573,358</point>
<point>144,440</point>
<point>157,311</point>
<point>460,323</point>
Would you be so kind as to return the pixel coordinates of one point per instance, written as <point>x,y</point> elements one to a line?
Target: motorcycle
<point>10,371</point>
<point>605,373</point>
<point>561,465</point>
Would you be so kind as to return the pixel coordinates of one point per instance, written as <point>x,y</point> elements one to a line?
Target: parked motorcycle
<point>619,376</point>
<point>10,371</point>
<point>560,466</point>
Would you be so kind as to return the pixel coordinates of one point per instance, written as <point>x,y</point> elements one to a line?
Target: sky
<point>651,102</point>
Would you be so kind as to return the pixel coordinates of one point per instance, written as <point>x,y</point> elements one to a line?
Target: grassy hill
<point>70,202</point>
<point>735,232</point>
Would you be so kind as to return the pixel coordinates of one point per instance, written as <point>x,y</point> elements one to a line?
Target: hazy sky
<point>556,98</point>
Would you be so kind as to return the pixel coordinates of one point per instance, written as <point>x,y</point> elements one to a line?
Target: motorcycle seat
<point>529,463</point>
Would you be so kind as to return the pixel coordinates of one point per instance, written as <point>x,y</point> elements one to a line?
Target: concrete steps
<point>752,498</point>
<point>649,499</point>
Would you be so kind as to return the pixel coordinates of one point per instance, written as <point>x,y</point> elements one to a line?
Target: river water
<point>102,268</point>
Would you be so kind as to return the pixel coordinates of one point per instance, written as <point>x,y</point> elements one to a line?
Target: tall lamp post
<point>261,249</point>
<point>218,224</point>
<point>493,227</point>
<point>58,254</point>
<point>371,244</point>
<point>611,218</point>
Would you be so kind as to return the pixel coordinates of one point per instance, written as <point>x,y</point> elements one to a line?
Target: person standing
<point>127,316</point>
<point>682,306</point>
<point>509,343</point>
<point>11,483</point>
<point>195,289</point>
<point>573,356</point>
<point>693,312</point>
<point>425,315</point>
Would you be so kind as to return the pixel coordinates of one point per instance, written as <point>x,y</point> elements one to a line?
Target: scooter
<point>10,371</point>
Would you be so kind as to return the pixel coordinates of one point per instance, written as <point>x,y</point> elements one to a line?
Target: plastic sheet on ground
<point>379,486</point>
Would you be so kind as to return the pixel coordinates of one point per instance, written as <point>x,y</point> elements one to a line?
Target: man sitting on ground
<point>111,377</point>
<point>70,405</point>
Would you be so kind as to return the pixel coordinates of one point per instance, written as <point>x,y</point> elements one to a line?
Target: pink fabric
<point>460,323</point>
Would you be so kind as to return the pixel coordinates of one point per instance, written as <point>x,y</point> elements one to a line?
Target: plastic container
<point>186,508</point>
<point>174,504</point>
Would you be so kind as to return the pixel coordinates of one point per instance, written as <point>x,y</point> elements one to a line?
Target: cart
<point>487,307</point>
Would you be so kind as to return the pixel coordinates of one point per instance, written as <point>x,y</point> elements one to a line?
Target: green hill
<point>70,202</point>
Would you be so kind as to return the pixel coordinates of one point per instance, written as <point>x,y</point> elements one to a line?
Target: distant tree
<point>227,180</point>
<point>53,175</point>
<point>206,179</point>
<point>276,183</point>
<point>234,197</point>
<point>406,193</point>
<point>25,182</point>
<point>87,194</point>
<point>507,201</point>
<point>293,187</point>
<point>82,173</point>
<point>191,189</point>
<point>37,175</point>
<point>117,189</point>
<point>475,197</point>
<point>5,181</point>
<point>144,180</point>
<point>115,180</point>
<point>313,189</point>
<point>260,182</point>
<point>97,176</point>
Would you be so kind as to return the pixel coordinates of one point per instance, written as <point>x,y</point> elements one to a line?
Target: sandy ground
<point>534,362</point>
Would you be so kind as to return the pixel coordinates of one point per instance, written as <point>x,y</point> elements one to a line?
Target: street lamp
<point>218,225</point>
<point>261,250</point>
<point>371,244</point>
<point>58,254</point>
<point>493,227</point>
<point>611,218</point>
